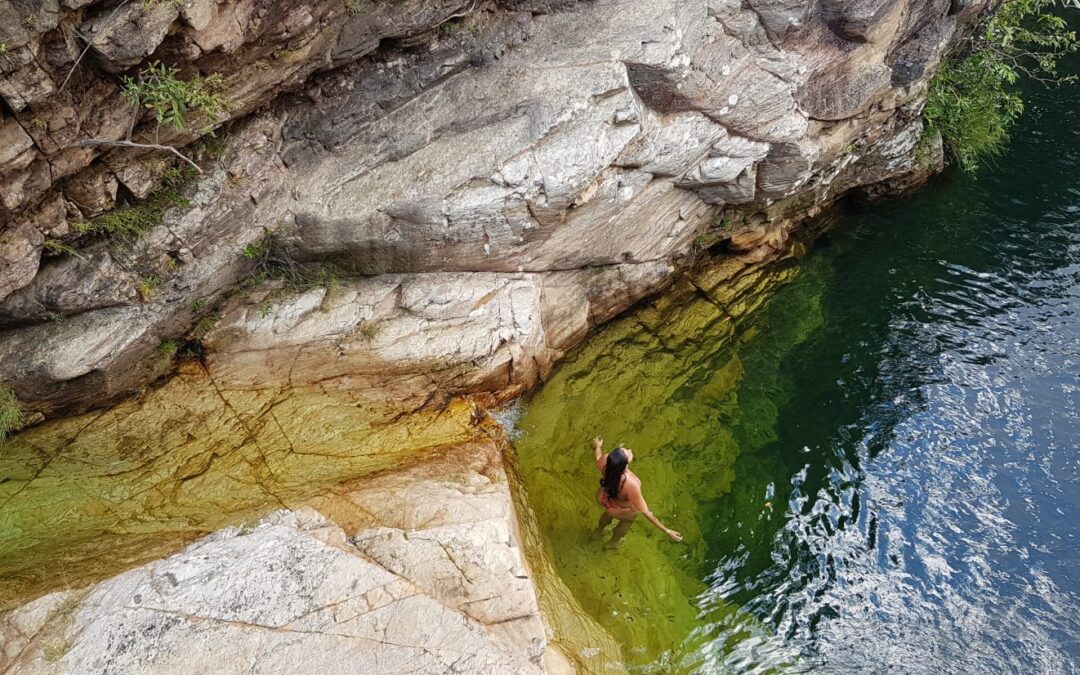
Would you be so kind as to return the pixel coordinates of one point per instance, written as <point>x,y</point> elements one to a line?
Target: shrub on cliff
<point>972,100</point>
<point>158,89</point>
<point>11,414</point>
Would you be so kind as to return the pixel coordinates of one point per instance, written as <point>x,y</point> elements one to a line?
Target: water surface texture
<point>877,471</point>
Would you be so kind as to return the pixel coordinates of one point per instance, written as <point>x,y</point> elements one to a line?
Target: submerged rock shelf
<point>90,495</point>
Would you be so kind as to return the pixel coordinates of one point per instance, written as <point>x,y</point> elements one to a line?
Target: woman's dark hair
<point>613,472</point>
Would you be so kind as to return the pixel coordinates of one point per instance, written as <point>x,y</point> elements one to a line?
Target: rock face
<point>422,572</point>
<point>489,182</point>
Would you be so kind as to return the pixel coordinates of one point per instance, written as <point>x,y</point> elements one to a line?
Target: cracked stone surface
<point>419,570</point>
<point>87,496</point>
<point>530,152</point>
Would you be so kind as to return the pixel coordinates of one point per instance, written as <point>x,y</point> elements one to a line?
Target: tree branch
<point>97,142</point>
<point>89,44</point>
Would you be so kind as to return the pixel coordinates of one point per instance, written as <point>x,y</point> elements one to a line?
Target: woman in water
<point>620,493</point>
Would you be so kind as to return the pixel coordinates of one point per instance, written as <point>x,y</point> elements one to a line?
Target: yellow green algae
<point>669,381</point>
<point>88,496</point>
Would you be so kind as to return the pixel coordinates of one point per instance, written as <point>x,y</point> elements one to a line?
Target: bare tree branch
<point>89,44</point>
<point>97,142</point>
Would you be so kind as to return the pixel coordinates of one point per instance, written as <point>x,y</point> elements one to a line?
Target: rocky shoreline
<point>501,176</point>
<point>404,204</point>
<point>416,569</point>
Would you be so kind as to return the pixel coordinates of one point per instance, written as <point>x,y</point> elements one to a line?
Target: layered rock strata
<point>489,180</point>
<point>418,570</point>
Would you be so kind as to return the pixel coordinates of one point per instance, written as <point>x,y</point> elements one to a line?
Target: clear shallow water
<point>876,472</point>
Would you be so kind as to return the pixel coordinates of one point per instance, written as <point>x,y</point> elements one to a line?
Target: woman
<point>620,494</point>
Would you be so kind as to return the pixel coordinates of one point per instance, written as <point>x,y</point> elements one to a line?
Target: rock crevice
<point>546,140</point>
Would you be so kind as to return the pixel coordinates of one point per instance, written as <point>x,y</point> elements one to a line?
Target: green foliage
<point>971,107</point>
<point>147,285</point>
<point>168,349</point>
<point>57,247</point>
<point>133,221</point>
<point>205,325</point>
<point>11,413</point>
<point>972,100</point>
<point>159,90</point>
<point>273,264</point>
<point>177,177</point>
<point>198,304</point>
<point>355,7</point>
<point>258,250</point>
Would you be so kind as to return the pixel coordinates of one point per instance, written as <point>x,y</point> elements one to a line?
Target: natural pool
<point>877,471</point>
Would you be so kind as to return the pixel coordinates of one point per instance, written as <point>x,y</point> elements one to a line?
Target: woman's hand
<point>675,536</point>
<point>597,443</point>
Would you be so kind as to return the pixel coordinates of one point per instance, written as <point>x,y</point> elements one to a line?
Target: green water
<point>874,472</point>
<point>697,395</point>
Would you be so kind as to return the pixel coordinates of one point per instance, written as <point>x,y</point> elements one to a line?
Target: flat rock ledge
<point>418,570</point>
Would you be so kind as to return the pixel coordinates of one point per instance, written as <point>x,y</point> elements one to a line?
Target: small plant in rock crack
<point>204,326</point>
<point>11,413</point>
<point>147,285</point>
<point>158,89</point>
<point>130,222</point>
<point>355,7</point>
<point>272,263</point>
<point>168,349</point>
<point>55,247</point>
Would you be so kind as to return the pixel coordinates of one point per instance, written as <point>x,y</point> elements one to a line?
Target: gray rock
<point>133,32</point>
<point>522,144</point>
<point>20,254</point>
<point>429,577</point>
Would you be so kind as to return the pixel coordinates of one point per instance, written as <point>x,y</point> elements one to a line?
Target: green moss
<point>972,100</point>
<point>369,330</point>
<point>11,413</point>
